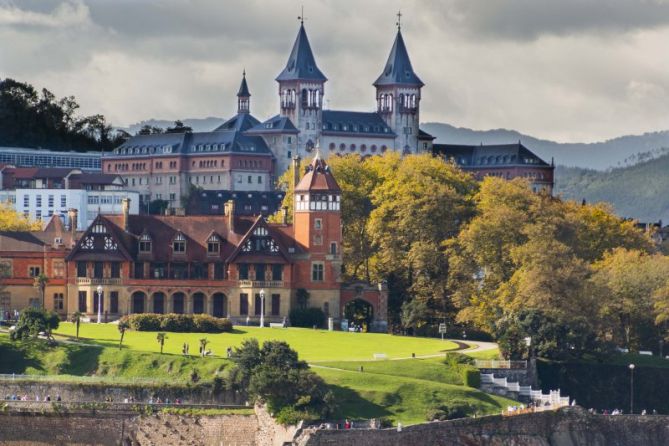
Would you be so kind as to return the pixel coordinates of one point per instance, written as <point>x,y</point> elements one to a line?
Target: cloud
<point>66,14</point>
<point>531,19</point>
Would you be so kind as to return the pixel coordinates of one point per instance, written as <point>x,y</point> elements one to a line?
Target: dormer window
<point>179,244</point>
<point>145,243</point>
<point>213,245</point>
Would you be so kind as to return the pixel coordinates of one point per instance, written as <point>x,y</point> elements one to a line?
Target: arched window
<point>332,146</point>
<point>305,98</point>
<point>352,147</point>
<point>384,148</point>
<point>363,148</point>
<point>373,148</point>
<point>342,147</point>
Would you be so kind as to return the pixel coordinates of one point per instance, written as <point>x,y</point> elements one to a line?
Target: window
<point>243,304</point>
<point>179,244</point>
<point>58,301</point>
<point>219,271</point>
<point>259,179</point>
<point>33,271</point>
<point>318,240</point>
<point>198,271</point>
<point>50,201</point>
<point>260,271</point>
<point>158,271</point>
<point>259,303</point>
<point>139,270</point>
<point>98,270</point>
<point>277,272</point>
<point>318,223</point>
<point>333,248</point>
<point>87,242</point>
<point>213,245</point>
<point>243,271</point>
<point>26,201</point>
<point>115,270</point>
<point>113,302</point>
<point>276,304</point>
<point>83,301</point>
<point>145,243</point>
<point>110,244</point>
<point>81,269</point>
<point>58,268</point>
<point>38,201</point>
<point>249,179</point>
<point>317,272</point>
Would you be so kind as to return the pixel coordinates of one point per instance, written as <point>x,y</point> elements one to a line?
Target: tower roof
<point>243,88</point>
<point>318,177</point>
<point>398,70</point>
<point>301,62</point>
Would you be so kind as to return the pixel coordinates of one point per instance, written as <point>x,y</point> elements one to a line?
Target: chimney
<point>284,215</point>
<point>231,215</point>
<point>296,170</point>
<point>72,214</point>
<point>125,209</point>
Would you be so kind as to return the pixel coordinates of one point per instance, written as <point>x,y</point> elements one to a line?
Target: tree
<point>302,297</point>
<point>123,326</point>
<point>150,130</point>
<point>203,346</point>
<point>34,321</point>
<point>179,127</point>
<point>285,184</point>
<point>76,318</point>
<point>160,337</point>
<point>40,283</point>
<point>10,220</point>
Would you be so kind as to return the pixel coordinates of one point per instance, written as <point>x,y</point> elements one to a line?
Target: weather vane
<point>301,16</point>
<point>399,19</point>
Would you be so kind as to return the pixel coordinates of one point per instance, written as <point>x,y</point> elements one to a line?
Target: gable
<point>259,242</point>
<point>99,238</point>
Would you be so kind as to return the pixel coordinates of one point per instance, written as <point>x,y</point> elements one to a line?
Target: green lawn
<point>484,354</point>
<point>432,369</point>
<point>374,395</point>
<point>312,345</point>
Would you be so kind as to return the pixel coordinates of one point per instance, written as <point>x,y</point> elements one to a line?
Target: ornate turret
<point>243,96</point>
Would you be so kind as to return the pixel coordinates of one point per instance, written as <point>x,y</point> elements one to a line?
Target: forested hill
<point>638,191</point>
<point>602,155</point>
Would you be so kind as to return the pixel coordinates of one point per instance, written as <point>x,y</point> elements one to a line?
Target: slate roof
<point>318,177</point>
<point>368,123</point>
<point>276,124</point>
<point>211,202</point>
<point>495,155</point>
<point>398,69</point>
<point>301,62</point>
<point>20,241</point>
<point>229,137</point>
<point>243,88</point>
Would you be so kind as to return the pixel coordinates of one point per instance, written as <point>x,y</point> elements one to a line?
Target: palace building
<point>247,154</point>
<point>230,265</point>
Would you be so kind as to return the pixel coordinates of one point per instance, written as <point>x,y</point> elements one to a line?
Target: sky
<point>567,70</point>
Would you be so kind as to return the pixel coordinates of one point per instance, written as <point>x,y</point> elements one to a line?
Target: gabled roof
<point>239,123</point>
<point>260,222</point>
<point>20,241</point>
<point>423,135</point>
<point>370,123</point>
<point>301,62</point>
<point>276,124</point>
<point>398,69</point>
<point>243,88</point>
<point>318,177</point>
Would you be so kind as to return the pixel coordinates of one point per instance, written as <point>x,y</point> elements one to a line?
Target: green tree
<point>160,337</point>
<point>76,318</point>
<point>34,321</point>
<point>123,326</point>
<point>40,284</point>
<point>203,346</point>
<point>10,220</point>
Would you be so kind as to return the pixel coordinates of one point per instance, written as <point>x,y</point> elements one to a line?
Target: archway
<point>158,303</point>
<point>359,311</point>
<point>220,305</point>
<point>178,300</point>
<point>138,299</point>
<point>198,303</point>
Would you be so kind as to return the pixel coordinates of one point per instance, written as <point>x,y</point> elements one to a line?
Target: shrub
<point>34,321</point>
<point>307,317</point>
<point>471,376</point>
<point>450,411</point>
<point>181,323</point>
<point>458,359</point>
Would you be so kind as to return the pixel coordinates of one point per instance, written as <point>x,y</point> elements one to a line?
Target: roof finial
<point>399,20</point>
<point>301,16</point>
<point>244,72</point>
<point>318,149</point>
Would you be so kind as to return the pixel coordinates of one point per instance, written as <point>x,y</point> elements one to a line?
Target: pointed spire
<point>398,69</point>
<point>243,88</point>
<point>301,62</point>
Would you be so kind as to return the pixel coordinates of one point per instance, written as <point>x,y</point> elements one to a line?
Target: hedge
<point>180,323</point>
<point>471,376</point>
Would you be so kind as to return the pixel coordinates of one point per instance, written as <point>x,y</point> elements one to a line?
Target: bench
<point>276,325</point>
<point>646,352</point>
<point>380,356</point>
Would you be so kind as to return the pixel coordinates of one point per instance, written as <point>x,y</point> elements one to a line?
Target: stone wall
<point>95,392</point>
<point>568,427</point>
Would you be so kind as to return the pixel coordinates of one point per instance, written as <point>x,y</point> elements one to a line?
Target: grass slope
<point>432,369</point>
<point>312,345</point>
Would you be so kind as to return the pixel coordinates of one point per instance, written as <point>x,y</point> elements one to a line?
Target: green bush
<point>450,411</point>
<point>457,359</point>
<point>180,323</point>
<point>471,376</point>
<point>307,317</point>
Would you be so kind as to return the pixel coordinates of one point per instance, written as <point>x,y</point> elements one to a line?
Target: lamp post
<point>528,343</point>
<point>631,366</point>
<point>262,308</point>
<point>99,290</point>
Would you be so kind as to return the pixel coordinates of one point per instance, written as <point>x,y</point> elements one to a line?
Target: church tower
<point>243,96</point>
<point>301,89</point>
<point>398,91</point>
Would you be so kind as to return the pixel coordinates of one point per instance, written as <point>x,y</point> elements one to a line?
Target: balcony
<point>261,283</point>
<point>103,281</point>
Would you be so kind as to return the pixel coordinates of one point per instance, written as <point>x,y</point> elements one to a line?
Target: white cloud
<point>66,14</point>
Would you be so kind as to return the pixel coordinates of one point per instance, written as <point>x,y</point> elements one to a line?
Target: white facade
<point>41,204</point>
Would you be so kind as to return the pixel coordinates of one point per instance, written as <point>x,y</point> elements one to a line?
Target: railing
<point>552,399</point>
<point>499,364</point>
<point>261,284</point>
<point>101,281</point>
